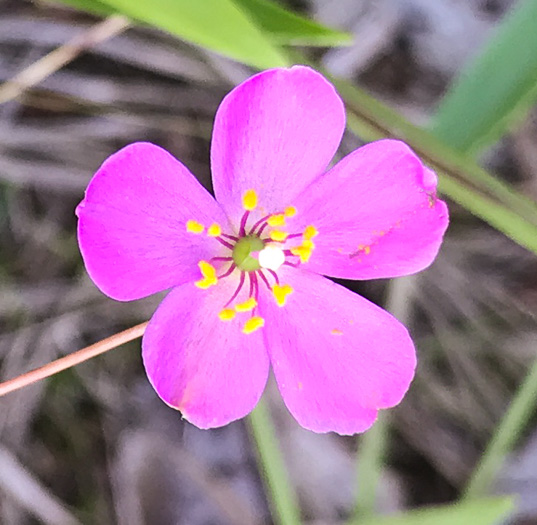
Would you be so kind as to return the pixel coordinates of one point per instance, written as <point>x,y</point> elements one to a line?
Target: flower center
<point>256,254</point>
<point>242,250</point>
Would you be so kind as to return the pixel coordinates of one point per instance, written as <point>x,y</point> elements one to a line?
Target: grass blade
<point>285,508</point>
<point>496,90</point>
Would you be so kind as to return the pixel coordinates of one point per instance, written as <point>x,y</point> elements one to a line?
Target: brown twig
<point>73,359</point>
<point>61,56</point>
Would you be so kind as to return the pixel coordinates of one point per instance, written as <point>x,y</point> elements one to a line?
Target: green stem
<point>283,499</point>
<point>505,437</point>
<point>371,456</point>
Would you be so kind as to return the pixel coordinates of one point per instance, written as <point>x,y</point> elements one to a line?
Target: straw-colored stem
<point>72,359</point>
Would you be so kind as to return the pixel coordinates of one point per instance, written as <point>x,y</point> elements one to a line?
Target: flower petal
<point>132,223</point>
<point>274,133</point>
<point>376,212</point>
<point>204,367</point>
<point>337,357</point>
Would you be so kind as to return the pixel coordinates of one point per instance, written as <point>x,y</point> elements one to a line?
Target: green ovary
<point>242,250</point>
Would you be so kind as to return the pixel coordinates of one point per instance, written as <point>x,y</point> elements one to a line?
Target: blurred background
<point>94,444</point>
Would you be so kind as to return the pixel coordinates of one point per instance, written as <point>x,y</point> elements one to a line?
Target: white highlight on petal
<point>271,257</point>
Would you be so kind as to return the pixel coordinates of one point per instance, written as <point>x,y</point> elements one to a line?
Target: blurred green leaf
<point>496,90</point>
<point>287,28</point>
<point>280,26</point>
<point>219,25</point>
<point>272,467</point>
<point>95,7</point>
<point>461,178</point>
<point>478,512</point>
<point>514,423</point>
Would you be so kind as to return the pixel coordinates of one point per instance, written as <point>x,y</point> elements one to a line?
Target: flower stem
<point>272,465</point>
<point>508,432</point>
<point>72,359</point>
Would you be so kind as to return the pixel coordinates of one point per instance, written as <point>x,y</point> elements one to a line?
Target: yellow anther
<point>276,220</point>
<point>249,200</point>
<point>281,293</point>
<point>194,227</point>
<point>253,324</point>
<point>209,275</point>
<point>214,230</point>
<point>226,314</point>
<point>290,211</point>
<point>248,305</point>
<point>278,235</point>
<point>335,331</point>
<point>304,251</point>
<point>310,232</point>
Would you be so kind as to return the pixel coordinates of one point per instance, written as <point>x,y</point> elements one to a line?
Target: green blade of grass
<point>489,511</point>
<point>218,25</point>
<point>505,437</point>
<point>282,496</point>
<point>496,90</point>
<point>287,28</point>
<point>279,25</point>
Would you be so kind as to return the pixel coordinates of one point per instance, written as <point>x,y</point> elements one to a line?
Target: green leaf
<point>512,426</point>
<point>219,25</point>
<point>496,90</point>
<point>478,512</point>
<point>94,7</point>
<point>272,466</point>
<point>287,28</point>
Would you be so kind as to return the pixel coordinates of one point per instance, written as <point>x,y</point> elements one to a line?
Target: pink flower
<point>245,270</point>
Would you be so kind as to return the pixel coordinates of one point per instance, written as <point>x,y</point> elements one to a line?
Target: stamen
<point>230,237</point>
<point>310,232</point>
<point>226,314</point>
<point>249,200</point>
<point>260,222</point>
<point>209,275</point>
<point>274,276</point>
<point>236,292</point>
<point>254,287</point>
<point>253,324</point>
<point>247,305</point>
<point>290,211</point>
<point>278,235</point>
<point>281,293</point>
<point>214,230</point>
<point>194,227</point>
<point>264,279</point>
<point>228,272</point>
<point>225,243</point>
<point>244,220</point>
<point>276,220</point>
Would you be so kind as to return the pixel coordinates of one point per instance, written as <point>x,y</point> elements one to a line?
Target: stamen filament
<point>244,220</point>
<point>239,287</point>
<point>228,272</point>
<point>225,243</point>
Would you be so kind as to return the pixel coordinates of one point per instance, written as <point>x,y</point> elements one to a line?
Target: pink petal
<point>204,367</point>
<point>376,212</point>
<point>274,133</point>
<point>132,223</point>
<point>337,357</point>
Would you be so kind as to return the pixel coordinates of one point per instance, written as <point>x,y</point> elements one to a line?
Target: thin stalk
<point>505,437</point>
<point>282,496</point>
<point>72,359</point>
<point>371,456</point>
